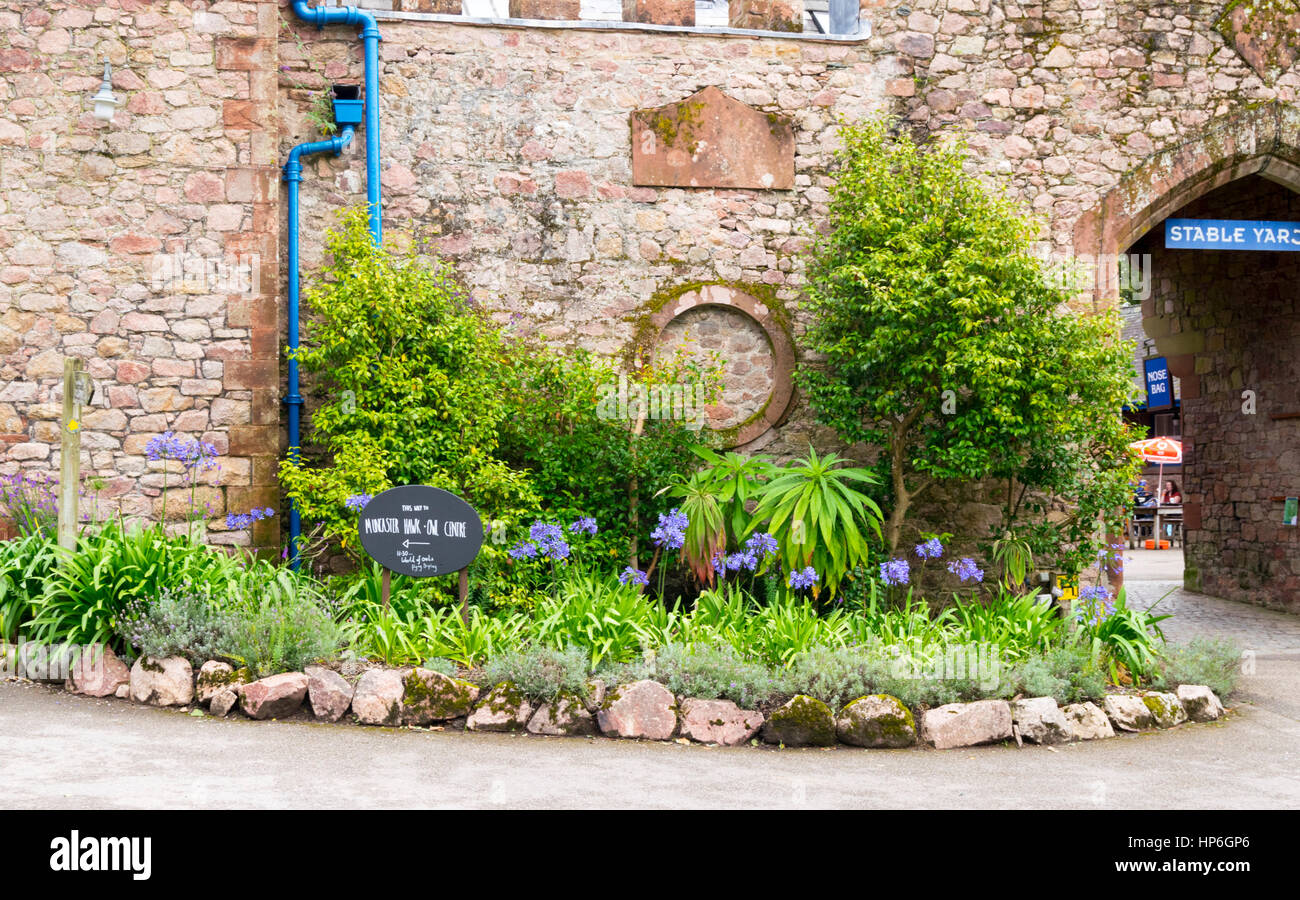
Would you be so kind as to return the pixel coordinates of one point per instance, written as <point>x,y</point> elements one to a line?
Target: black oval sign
<point>420,530</point>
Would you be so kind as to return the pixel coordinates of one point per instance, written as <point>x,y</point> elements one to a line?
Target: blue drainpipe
<point>320,17</point>
<point>293,399</point>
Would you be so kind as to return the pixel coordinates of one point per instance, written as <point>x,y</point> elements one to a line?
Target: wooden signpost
<point>76,392</point>
<point>421,531</point>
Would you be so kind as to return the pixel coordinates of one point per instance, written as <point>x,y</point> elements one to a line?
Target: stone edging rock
<point>644,710</point>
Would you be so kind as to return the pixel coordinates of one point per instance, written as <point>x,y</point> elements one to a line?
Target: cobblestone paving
<point>1156,578</point>
<point>1197,615</point>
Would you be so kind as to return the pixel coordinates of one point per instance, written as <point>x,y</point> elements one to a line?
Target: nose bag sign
<point>420,530</point>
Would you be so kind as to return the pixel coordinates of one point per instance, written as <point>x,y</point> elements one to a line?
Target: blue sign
<point>1230,234</point>
<point>1160,392</point>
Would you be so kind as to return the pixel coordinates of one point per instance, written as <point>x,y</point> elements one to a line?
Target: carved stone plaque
<point>710,140</point>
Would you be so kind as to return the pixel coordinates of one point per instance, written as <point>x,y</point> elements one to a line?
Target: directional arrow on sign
<point>408,544</point>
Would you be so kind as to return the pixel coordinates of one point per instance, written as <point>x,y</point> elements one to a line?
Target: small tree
<point>414,377</point>
<point>945,345</point>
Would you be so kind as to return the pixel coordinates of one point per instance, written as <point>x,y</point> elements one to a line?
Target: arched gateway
<point>1228,323</point>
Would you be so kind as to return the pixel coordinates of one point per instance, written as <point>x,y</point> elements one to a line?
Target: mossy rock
<point>1166,709</point>
<point>877,720</point>
<point>430,696</point>
<point>802,722</point>
<point>505,708</point>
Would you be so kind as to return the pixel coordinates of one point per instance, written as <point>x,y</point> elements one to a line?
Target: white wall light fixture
<point>105,102</point>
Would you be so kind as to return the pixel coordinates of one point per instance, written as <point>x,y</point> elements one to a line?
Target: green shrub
<point>25,565</point>
<point>584,455</point>
<point>611,621</point>
<point>416,380</point>
<point>86,594</point>
<point>178,622</point>
<point>541,673</point>
<point>926,283</point>
<point>1071,674</point>
<point>1213,662</point>
<point>715,671</point>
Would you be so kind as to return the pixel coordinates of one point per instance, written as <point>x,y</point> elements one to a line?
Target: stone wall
<point>506,147</point>
<point>93,215</point>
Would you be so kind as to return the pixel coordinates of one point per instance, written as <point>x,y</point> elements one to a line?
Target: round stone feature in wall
<point>722,325</point>
<point>718,336</point>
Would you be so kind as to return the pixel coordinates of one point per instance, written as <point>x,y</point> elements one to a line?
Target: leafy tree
<point>584,433</point>
<point>943,343</point>
<point>415,377</point>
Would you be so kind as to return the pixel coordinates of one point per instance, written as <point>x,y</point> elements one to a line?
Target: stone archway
<point>1227,321</point>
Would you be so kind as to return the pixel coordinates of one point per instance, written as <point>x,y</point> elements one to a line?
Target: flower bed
<point>643,709</point>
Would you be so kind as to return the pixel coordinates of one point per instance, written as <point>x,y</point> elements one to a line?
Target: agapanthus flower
<point>735,562</point>
<point>545,532</point>
<point>761,544</point>
<point>671,530</point>
<point>523,550</point>
<point>239,521</point>
<point>803,578</point>
<point>634,576</point>
<point>1094,605</point>
<point>583,525</point>
<point>966,570</point>
<point>931,549</point>
<point>358,501</point>
<point>193,455</point>
<point>555,549</point>
<point>895,572</point>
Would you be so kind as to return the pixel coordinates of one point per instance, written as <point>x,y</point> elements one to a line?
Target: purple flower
<point>931,549</point>
<point>634,576</point>
<point>523,550</point>
<point>358,501</point>
<point>895,572</point>
<point>1094,605</point>
<point>802,578</point>
<point>761,544</point>
<point>583,525</point>
<point>237,522</point>
<point>965,569</point>
<point>671,530</point>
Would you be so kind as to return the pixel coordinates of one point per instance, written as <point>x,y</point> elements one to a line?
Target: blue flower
<point>634,576</point>
<point>240,521</point>
<point>555,549</point>
<point>802,578</point>
<point>545,532</point>
<point>1094,605</point>
<point>931,549</point>
<point>966,570</point>
<point>358,501</point>
<point>583,525</point>
<point>761,544</point>
<point>895,572</point>
<point>523,550</point>
<point>671,530</point>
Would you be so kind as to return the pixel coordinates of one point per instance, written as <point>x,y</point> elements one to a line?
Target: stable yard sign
<point>1231,234</point>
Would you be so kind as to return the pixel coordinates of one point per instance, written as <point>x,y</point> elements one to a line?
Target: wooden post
<point>70,453</point>
<point>464,595</point>
<point>385,587</point>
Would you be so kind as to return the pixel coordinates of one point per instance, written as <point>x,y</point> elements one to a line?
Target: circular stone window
<point>718,324</point>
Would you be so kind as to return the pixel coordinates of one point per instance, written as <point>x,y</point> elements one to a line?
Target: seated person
<point>1172,496</point>
<point>1142,494</point>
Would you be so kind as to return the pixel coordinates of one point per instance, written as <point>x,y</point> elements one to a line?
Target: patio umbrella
<point>1161,450</point>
